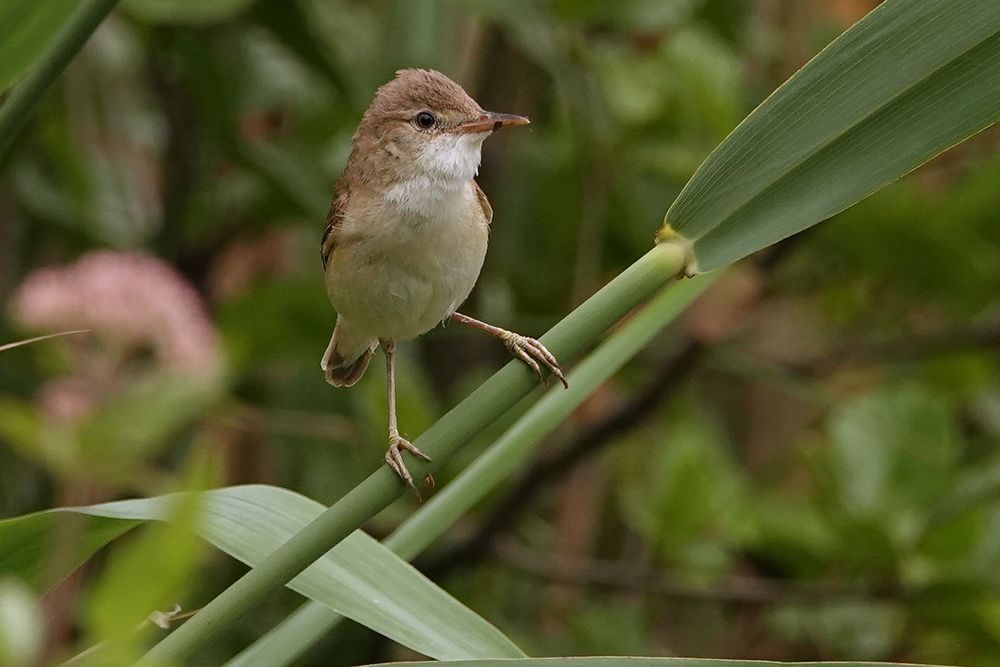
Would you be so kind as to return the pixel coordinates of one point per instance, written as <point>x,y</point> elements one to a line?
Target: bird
<point>407,232</point>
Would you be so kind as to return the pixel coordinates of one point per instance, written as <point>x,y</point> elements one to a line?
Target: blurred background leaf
<point>185,11</point>
<point>21,625</point>
<point>28,27</point>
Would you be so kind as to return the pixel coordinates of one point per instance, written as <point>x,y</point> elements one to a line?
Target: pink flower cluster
<point>128,298</point>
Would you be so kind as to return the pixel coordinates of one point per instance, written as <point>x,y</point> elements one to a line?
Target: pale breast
<point>398,271</point>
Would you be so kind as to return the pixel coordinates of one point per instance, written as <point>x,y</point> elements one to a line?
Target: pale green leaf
<point>360,578</point>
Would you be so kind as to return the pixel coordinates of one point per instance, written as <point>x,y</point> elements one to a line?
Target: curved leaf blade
<point>25,541</point>
<point>359,578</point>
<point>905,83</point>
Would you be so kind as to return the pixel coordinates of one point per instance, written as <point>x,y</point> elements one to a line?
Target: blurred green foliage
<point>823,483</point>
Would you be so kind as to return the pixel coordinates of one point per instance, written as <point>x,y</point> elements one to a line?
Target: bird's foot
<point>394,458</point>
<point>534,354</point>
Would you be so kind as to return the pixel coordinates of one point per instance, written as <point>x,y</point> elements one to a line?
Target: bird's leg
<point>528,350</point>
<point>394,455</point>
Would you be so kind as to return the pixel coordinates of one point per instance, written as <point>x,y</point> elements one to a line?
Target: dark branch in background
<point>618,576</point>
<point>901,349</point>
<point>179,163</point>
<point>581,448</point>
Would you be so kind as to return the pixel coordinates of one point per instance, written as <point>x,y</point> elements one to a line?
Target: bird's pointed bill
<point>491,121</point>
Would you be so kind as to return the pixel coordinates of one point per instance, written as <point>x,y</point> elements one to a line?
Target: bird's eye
<point>425,120</point>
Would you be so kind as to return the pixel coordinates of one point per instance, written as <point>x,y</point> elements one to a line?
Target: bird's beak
<point>490,121</point>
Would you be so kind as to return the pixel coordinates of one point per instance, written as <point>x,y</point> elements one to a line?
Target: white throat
<point>443,171</point>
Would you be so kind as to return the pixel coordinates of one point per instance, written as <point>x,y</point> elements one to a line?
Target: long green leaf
<point>618,661</point>
<point>28,542</point>
<point>360,578</point>
<point>908,81</point>
<point>296,634</point>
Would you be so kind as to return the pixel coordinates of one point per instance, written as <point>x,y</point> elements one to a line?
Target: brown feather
<point>483,202</point>
<point>334,217</point>
<point>415,89</point>
<point>340,374</point>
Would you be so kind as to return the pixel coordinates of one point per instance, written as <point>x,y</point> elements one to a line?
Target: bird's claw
<point>534,355</point>
<point>394,458</point>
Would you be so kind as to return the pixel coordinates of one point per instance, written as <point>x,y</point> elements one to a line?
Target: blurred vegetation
<point>805,468</point>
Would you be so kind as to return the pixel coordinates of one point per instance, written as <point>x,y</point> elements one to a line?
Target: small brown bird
<point>407,231</point>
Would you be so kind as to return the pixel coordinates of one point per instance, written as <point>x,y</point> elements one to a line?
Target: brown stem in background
<point>590,234</point>
<point>973,336</point>
<point>619,576</point>
<point>178,165</point>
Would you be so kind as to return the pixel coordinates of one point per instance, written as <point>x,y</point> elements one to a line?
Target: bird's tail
<point>347,356</point>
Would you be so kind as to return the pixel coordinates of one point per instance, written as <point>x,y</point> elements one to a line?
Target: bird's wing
<point>338,206</point>
<point>484,202</point>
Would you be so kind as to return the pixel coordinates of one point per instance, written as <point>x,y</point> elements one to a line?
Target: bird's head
<point>423,124</point>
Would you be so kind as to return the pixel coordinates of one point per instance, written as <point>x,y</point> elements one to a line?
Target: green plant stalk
<point>313,620</point>
<point>65,44</point>
<point>488,402</point>
<point>503,458</point>
<point>288,640</point>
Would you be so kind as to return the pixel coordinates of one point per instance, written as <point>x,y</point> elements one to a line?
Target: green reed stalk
<point>494,397</point>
